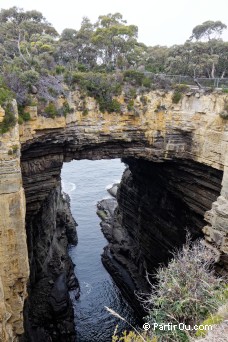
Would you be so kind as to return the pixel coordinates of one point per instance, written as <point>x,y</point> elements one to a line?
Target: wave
<point>68,187</point>
<point>109,186</point>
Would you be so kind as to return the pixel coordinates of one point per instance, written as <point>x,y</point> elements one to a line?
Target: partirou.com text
<point>179,326</point>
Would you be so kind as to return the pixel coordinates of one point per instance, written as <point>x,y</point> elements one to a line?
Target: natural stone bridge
<point>187,144</point>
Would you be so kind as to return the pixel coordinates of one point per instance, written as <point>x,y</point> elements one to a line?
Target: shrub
<point>51,110</point>
<point>23,116</point>
<point>133,337</point>
<point>60,69</point>
<point>67,109</point>
<point>100,86</point>
<point>20,120</point>
<point>176,96</point>
<point>5,96</point>
<point>29,77</point>
<point>9,120</point>
<point>134,77</point>
<point>130,105</point>
<point>146,82</point>
<point>181,87</point>
<point>187,291</point>
<point>224,113</point>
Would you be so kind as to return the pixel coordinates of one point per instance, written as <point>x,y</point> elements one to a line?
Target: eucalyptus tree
<point>115,40</point>
<point>16,29</point>
<point>208,30</point>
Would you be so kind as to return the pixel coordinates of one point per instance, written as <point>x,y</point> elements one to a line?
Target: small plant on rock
<point>224,113</point>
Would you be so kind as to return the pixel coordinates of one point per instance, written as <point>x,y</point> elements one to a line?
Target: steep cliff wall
<point>157,131</point>
<point>13,247</point>
<point>157,204</point>
<point>48,311</point>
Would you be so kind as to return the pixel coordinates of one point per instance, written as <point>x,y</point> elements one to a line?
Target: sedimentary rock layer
<point>157,204</point>
<point>48,309</point>
<point>13,248</point>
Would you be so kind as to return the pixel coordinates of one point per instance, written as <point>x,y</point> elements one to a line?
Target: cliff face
<point>188,141</point>
<point>48,311</point>
<point>157,205</point>
<point>13,247</point>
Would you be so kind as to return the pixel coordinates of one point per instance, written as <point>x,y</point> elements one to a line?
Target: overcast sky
<point>163,22</point>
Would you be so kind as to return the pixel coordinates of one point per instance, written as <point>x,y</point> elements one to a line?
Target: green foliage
<point>133,337</point>
<point>134,77</point>
<point>187,291</point>
<point>9,120</point>
<point>130,105</point>
<point>66,108</point>
<point>60,69</point>
<point>13,150</point>
<point>5,96</point>
<point>176,96</point>
<point>20,120</point>
<point>23,116</point>
<point>100,86</point>
<point>29,78</point>
<point>213,319</point>
<point>51,110</point>
<point>114,106</point>
<point>207,29</point>
<point>146,82</point>
<point>225,90</point>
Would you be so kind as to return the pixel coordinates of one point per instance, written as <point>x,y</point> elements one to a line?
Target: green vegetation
<point>103,59</point>
<point>130,105</point>
<point>213,319</point>
<point>23,116</point>
<point>51,110</point>
<point>13,150</point>
<point>6,97</point>
<point>66,108</point>
<point>176,96</point>
<point>187,291</point>
<point>100,86</point>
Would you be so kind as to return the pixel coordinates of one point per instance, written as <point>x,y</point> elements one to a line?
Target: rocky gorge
<point>176,180</point>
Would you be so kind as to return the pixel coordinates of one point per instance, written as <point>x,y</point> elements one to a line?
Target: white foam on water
<point>109,186</point>
<point>87,287</point>
<point>68,187</point>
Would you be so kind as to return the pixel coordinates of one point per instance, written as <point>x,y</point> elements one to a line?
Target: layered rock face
<point>48,311</point>
<point>157,204</point>
<point>14,267</point>
<point>181,136</point>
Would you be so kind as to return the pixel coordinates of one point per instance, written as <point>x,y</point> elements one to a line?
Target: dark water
<point>86,182</point>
